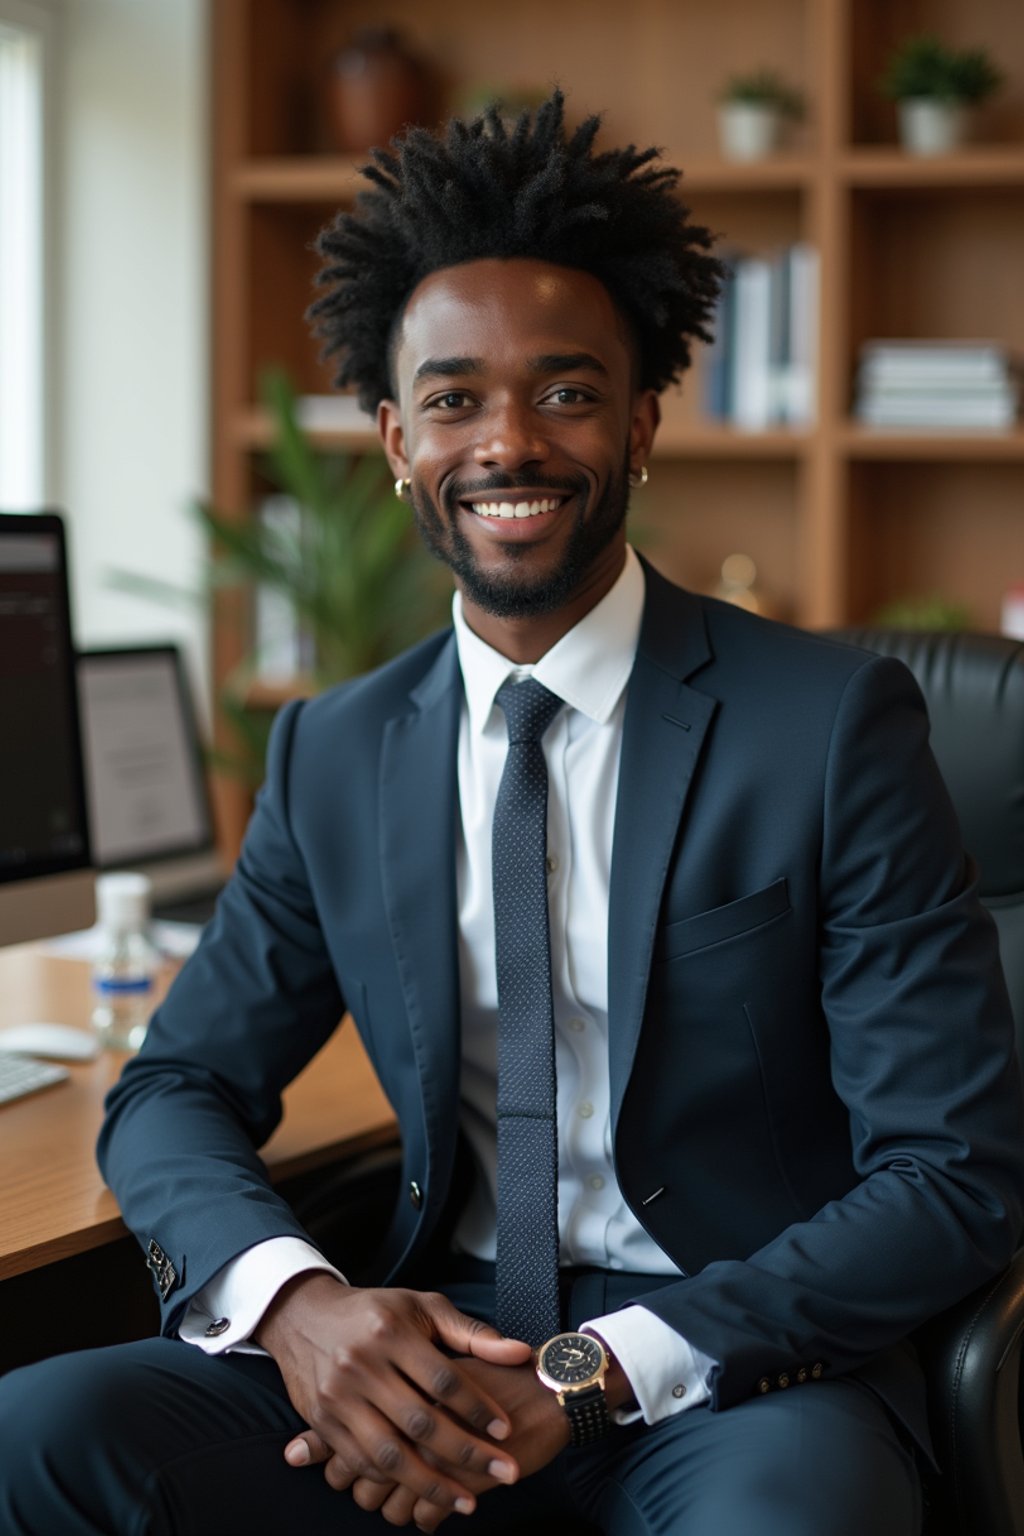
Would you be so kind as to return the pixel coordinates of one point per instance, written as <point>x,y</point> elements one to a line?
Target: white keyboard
<point>23,1074</point>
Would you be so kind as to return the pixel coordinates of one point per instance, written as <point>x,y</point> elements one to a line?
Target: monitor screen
<point>144,768</point>
<point>45,880</point>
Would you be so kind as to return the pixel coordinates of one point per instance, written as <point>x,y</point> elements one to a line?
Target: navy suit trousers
<point>155,1438</point>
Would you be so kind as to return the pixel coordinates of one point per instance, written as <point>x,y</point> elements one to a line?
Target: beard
<point>508,593</point>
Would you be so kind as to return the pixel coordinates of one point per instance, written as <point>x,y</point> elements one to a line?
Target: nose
<point>512,437</point>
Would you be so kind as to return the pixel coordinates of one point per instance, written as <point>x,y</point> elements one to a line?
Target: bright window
<point>23,35</point>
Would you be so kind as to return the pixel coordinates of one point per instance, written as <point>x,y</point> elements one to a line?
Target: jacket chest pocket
<point>720,924</point>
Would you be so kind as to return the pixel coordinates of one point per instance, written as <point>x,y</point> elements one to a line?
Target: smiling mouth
<point>521,506</point>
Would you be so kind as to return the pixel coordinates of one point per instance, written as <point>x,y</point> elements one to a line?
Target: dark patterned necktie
<point>527,1252</point>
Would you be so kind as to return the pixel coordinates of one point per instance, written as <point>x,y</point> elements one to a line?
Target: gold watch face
<point>570,1359</point>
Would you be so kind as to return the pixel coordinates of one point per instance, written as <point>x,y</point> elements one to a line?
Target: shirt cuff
<point>667,1373</point>
<point>222,1316</point>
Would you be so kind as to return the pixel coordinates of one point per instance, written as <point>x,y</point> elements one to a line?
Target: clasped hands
<point>414,1431</point>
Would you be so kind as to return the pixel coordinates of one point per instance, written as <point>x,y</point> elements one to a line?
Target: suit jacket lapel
<point>418,807</point>
<point>666,721</point>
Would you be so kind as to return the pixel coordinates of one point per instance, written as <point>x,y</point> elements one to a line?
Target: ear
<point>644,424</point>
<point>392,436</point>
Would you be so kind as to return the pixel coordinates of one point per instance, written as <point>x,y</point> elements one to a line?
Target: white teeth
<point>516,508</point>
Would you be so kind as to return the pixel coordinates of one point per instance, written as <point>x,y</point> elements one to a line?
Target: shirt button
<point>595,1181</point>
<point>578,1025</point>
<point>217,1327</point>
<point>678,1390</point>
<point>552,863</point>
<point>585,1110</point>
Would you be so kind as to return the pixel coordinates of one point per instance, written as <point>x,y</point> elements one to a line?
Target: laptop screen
<point>144,768</point>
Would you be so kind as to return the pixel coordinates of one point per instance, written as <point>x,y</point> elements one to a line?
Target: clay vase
<point>377,88</point>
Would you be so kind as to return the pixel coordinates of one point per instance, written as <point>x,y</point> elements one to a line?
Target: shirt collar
<point>588,668</point>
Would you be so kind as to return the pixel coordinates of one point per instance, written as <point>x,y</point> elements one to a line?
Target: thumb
<point>306,1450</point>
<point>470,1336</point>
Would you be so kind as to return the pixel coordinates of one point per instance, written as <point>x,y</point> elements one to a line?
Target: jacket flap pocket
<point>726,922</point>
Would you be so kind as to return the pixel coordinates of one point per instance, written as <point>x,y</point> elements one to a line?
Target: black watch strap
<point>588,1414</point>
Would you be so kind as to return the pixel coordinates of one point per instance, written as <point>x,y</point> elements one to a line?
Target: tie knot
<point>529,709</point>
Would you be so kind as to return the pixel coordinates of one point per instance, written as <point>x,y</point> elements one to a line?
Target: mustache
<point>463,490</point>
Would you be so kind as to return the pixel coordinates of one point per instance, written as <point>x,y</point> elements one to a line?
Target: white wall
<point>129,438</point>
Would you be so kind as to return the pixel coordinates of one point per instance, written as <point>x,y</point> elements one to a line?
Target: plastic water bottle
<point>126,964</point>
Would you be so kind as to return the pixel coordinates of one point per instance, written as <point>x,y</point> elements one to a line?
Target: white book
<point>804,269</point>
<point>967,362</point>
<point>992,415</point>
<point>752,386</point>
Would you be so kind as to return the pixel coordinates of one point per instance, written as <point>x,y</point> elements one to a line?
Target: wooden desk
<point>54,1204</point>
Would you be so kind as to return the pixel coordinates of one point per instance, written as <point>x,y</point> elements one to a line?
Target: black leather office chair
<point>974,688</point>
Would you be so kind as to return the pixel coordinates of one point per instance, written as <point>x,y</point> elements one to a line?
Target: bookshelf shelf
<point>858,442</point>
<point>298,179</point>
<point>982,166</point>
<point>840,518</point>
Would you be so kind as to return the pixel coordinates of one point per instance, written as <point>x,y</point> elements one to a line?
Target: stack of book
<point>942,384</point>
<point>761,368</point>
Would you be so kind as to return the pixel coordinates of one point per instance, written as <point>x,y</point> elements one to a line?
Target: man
<point>753,1037</point>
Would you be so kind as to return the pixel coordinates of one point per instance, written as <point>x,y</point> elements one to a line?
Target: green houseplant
<point>752,111</point>
<point>348,566</point>
<point>934,88</point>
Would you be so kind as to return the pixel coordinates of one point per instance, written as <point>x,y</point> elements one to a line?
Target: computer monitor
<point>145,776</point>
<point>46,882</point>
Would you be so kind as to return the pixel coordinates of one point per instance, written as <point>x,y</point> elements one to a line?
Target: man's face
<point>518,425</point>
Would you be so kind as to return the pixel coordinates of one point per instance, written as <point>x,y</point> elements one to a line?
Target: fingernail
<point>298,1454</point>
<point>502,1471</point>
<point>497,1430</point>
<point>465,1506</point>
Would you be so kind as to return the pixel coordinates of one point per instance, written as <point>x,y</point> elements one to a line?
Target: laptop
<point>145,777</point>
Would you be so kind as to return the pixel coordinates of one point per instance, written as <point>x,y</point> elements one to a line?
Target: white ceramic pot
<point>748,130</point>
<point>931,127</point>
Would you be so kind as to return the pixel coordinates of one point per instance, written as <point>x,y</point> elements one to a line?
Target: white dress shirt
<point>589,668</point>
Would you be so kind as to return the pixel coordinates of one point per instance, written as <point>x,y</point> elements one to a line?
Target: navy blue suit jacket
<point>810,1043</point>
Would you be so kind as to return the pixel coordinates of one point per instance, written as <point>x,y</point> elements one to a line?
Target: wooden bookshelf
<point>838,518</point>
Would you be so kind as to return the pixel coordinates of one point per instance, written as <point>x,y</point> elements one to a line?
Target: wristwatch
<point>573,1366</point>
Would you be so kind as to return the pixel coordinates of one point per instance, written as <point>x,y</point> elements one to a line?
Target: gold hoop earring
<point>639,478</point>
<point>402,488</point>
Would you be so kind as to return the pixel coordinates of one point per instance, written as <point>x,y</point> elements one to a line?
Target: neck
<point>526,639</point>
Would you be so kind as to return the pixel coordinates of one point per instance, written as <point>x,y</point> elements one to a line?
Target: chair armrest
<point>971,1356</point>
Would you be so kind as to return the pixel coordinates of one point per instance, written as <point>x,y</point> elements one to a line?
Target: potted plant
<point>348,564</point>
<point>934,88</point>
<point>752,111</point>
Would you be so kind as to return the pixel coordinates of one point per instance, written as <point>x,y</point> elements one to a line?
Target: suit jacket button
<point>783,1380</point>
<point>217,1327</point>
<point>764,1385</point>
<point>817,1370</point>
<point>415,1194</point>
<point>801,1375</point>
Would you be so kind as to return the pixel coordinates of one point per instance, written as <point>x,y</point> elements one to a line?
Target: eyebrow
<point>447,367</point>
<point>548,362</point>
<point>568,362</point>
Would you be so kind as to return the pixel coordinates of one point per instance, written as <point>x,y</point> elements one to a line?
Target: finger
<point>371,1496</point>
<point>470,1336</point>
<point>371,1447</point>
<point>306,1450</point>
<point>440,1437</point>
<point>427,1517</point>
<point>440,1380</point>
<point>398,1508</point>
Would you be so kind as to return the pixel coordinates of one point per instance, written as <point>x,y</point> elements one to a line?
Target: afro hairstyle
<point>479,189</point>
